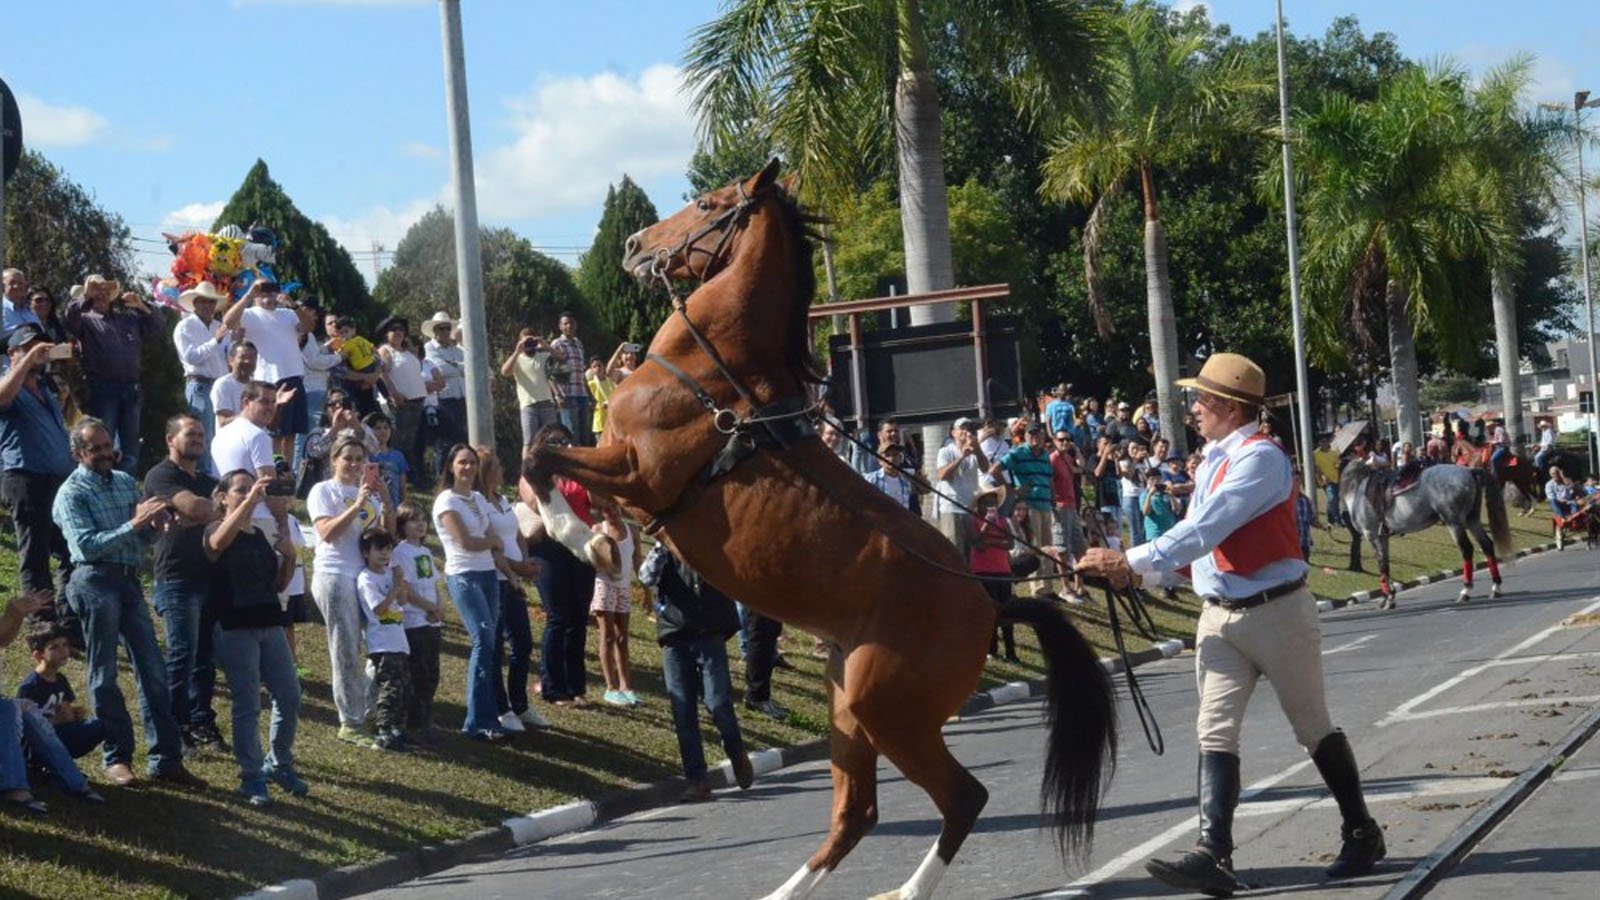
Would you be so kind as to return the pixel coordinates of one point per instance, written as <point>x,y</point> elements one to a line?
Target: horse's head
<point>697,241</point>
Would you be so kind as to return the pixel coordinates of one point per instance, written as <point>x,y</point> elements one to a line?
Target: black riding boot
<point>1208,868</point>
<point>1363,839</point>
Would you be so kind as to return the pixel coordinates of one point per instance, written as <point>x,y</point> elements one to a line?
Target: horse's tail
<point>1499,525</point>
<point>1081,713</point>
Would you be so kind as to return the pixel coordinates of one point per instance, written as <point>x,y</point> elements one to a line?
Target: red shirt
<point>993,560</point>
<point>577,498</point>
<point>1064,480</point>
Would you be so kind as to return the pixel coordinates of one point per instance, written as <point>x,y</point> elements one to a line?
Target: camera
<point>282,486</point>
<point>630,348</point>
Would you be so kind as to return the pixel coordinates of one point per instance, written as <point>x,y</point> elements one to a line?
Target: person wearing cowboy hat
<point>407,389</point>
<point>443,350</point>
<point>1241,541</point>
<point>988,539</point>
<point>202,346</point>
<point>112,340</point>
<point>275,327</point>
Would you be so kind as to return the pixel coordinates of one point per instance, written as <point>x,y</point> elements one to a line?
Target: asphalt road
<point>1444,704</point>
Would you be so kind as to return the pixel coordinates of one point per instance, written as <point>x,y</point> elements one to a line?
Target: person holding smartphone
<point>34,457</point>
<point>623,361</point>
<point>538,395</point>
<point>112,325</point>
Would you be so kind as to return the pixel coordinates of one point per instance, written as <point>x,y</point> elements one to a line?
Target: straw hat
<point>439,318</point>
<point>205,290</point>
<point>113,287</point>
<point>987,488</point>
<point>1232,376</point>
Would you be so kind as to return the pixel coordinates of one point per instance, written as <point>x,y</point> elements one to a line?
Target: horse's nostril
<point>630,246</point>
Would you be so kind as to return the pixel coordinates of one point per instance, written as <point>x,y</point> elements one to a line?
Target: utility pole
<point>1301,373</point>
<point>469,261</point>
<point>1581,101</point>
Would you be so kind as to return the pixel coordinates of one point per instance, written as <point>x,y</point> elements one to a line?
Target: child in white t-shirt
<point>420,615</point>
<point>293,595</point>
<point>382,596</point>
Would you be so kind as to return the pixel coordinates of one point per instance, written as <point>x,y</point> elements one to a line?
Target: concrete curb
<point>1441,575</point>
<point>577,815</point>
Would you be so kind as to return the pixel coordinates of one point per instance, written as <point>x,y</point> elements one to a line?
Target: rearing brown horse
<point>710,440</point>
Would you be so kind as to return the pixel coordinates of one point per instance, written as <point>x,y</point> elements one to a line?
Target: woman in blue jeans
<point>472,553</point>
<point>566,585</point>
<point>251,647</point>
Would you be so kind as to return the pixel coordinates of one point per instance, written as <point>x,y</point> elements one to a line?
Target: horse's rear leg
<point>915,744</point>
<point>1487,544</point>
<point>1465,546</point>
<point>855,790</point>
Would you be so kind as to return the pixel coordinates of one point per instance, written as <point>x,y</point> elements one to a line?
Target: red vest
<point>1269,537</point>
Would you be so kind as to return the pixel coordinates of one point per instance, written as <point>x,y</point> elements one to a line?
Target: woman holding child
<point>252,648</point>
<point>342,507</point>
<point>472,551</point>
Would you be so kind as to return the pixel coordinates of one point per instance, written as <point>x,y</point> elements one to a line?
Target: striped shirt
<point>568,354</point>
<point>1032,474</point>
<point>94,514</point>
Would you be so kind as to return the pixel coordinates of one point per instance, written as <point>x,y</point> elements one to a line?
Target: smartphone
<point>631,348</point>
<point>369,474</point>
<point>60,351</point>
<point>282,486</point>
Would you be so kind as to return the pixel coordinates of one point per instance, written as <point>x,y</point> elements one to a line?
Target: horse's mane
<point>798,353</point>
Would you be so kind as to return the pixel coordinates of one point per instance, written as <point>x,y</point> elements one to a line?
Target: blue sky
<point>160,106</point>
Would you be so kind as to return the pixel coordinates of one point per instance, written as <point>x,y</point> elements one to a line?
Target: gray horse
<point>1444,494</point>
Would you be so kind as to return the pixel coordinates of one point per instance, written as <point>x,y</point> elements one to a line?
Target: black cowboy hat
<point>393,322</point>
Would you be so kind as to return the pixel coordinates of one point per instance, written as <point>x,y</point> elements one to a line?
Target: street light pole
<point>1301,372</point>
<point>1580,100</point>
<point>469,261</point>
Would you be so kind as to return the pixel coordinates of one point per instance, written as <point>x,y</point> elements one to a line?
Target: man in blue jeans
<point>693,624</point>
<point>112,330</point>
<point>567,363</point>
<point>183,581</point>
<point>107,528</point>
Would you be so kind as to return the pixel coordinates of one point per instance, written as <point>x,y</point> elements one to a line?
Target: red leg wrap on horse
<point>1494,569</point>
<point>1466,572</point>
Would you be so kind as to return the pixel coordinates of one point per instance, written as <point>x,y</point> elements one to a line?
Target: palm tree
<point>1393,212</point>
<point>844,87</point>
<point>1166,99</point>
<point>1519,155</point>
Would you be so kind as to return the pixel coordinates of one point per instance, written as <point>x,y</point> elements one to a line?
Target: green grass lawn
<point>365,804</point>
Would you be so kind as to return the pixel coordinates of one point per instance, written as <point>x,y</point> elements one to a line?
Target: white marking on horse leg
<point>800,884</point>
<point>922,881</point>
<point>569,531</point>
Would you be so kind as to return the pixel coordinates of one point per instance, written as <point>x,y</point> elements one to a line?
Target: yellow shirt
<point>1327,463</point>
<point>359,354</point>
<point>601,389</point>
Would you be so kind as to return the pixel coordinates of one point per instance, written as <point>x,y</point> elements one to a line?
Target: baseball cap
<point>965,423</point>
<point>1124,405</point>
<point>23,336</point>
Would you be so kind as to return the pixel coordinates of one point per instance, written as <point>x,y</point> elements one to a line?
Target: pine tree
<point>307,253</point>
<point>628,309</point>
<point>57,234</point>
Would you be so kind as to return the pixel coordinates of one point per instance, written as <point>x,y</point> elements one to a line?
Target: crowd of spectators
<point>275,412</point>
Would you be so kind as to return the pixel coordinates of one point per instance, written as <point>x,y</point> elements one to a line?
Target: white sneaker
<point>510,722</point>
<point>532,719</point>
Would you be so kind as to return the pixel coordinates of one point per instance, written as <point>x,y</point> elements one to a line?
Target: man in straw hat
<point>202,346</point>
<point>444,352</point>
<point>112,325</point>
<point>1259,619</point>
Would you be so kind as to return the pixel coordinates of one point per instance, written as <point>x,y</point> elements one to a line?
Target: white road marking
<point>1350,646</point>
<point>1121,863</point>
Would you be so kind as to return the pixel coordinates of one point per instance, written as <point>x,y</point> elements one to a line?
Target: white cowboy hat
<point>434,321</point>
<point>205,290</point>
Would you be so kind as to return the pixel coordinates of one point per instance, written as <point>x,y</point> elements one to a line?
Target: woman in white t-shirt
<point>402,366</point>
<point>510,694</point>
<point>341,508</point>
<point>471,548</point>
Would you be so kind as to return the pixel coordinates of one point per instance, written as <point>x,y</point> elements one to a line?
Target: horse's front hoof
<point>604,555</point>
<point>1495,592</point>
<point>1464,596</point>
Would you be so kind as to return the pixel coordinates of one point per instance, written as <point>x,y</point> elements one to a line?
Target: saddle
<point>1403,481</point>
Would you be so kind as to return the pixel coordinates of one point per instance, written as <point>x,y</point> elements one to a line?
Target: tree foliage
<point>307,253</point>
<point>627,308</point>
<point>522,288</point>
<point>57,233</point>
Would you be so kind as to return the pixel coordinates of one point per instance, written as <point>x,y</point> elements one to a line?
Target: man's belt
<point>203,379</point>
<point>122,569</point>
<point>1254,600</point>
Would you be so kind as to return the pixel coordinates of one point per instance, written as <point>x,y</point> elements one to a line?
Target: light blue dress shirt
<point>1258,478</point>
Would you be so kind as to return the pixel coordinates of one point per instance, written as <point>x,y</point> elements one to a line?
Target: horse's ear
<point>763,178</point>
<point>790,183</point>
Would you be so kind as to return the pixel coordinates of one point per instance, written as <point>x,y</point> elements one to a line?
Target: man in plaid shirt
<point>107,530</point>
<point>577,407</point>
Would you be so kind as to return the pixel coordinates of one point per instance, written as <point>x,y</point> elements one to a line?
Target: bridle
<point>725,420</point>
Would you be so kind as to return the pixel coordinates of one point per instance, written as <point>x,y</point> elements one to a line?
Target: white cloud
<point>382,224</point>
<point>576,136</point>
<point>193,215</point>
<point>46,126</point>
<point>421,150</point>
